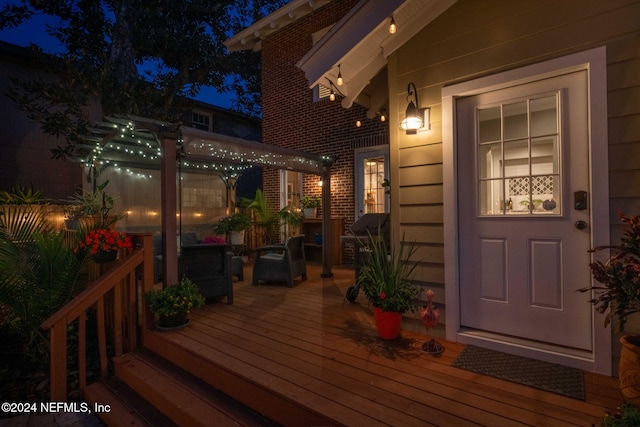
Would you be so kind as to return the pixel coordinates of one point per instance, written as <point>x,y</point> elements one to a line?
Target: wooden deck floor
<point>301,356</point>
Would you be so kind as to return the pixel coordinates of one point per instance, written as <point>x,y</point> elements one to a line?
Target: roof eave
<point>360,42</point>
<point>251,37</point>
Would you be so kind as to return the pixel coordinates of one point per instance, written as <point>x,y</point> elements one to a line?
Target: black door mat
<point>543,375</point>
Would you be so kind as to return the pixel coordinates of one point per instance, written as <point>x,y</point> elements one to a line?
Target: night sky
<point>34,31</point>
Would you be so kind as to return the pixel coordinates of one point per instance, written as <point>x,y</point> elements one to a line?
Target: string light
<point>392,26</point>
<point>339,81</point>
<point>334,89</point>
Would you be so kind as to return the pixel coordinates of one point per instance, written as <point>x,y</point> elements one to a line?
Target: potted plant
<point>103,244</point>
<point>173,304</point>
<point>310,205</point>
<point>94,209</point>
<point>270,219</point>
<point>385,280</point>
<point>627,416</point>
<point>72,214</point>
<point>233,225</point>
<point>620,295</point>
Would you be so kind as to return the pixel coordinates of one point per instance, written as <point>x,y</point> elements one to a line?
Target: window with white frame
<point>201,120</point>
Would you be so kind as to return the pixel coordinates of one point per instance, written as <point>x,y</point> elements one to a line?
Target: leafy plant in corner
<point>269,218</point>
<point>620,275</point>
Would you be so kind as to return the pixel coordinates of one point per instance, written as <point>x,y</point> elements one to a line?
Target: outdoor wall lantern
<point>415,118</point>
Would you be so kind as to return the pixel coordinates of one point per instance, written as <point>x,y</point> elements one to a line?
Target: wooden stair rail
<point>119,307</point>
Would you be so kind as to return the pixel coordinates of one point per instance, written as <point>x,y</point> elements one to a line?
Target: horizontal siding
<point>421,155</point>
<point>425,174</point>
<point>476,38</point>
<point>432,193</point>
<point>421,215</point>
<point>423,233</point>
<point>623,104</point>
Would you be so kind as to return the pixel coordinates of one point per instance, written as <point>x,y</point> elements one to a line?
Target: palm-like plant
<point>271,219</point>
<point>39,274</point>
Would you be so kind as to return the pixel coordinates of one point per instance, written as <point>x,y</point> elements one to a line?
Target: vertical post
<point>168,175</point>
<point>58,368</point>
<point>327,234</point>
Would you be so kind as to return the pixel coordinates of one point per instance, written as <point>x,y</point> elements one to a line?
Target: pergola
<point>141,142</point>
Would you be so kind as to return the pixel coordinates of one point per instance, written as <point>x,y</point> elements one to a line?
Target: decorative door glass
<point>519,157</point>
<point>373,177</point>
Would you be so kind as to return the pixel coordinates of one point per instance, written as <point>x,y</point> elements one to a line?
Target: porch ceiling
<point>134,142</point>
<point>360,43</point>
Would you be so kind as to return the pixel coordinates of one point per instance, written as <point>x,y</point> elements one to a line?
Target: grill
<point>368,226</point>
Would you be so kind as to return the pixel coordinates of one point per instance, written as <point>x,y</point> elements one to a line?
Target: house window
<point>200,120</point>
<point>519,157</point>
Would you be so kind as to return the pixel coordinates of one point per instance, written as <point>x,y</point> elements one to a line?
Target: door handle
<point>581,225</point>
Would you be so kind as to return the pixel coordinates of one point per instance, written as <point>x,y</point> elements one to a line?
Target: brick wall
<point>292,119</point>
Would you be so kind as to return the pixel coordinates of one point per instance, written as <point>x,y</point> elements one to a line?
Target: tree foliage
<point>134,57</point>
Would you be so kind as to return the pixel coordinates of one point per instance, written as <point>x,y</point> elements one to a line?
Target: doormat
<point>534,373</point>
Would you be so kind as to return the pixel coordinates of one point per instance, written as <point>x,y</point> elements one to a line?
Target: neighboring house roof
<point>360,43</point>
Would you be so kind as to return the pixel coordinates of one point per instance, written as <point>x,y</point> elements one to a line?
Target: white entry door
<point>523,206</point>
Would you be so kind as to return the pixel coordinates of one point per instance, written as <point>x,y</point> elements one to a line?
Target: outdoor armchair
<point>209,267</point>
<point>280,263</point>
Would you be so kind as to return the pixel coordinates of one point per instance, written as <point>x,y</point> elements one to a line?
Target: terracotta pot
<point>387,323</point>
<point>629,369</point>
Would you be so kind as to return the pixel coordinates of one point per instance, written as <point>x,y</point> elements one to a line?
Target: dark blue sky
<point>34,31</point>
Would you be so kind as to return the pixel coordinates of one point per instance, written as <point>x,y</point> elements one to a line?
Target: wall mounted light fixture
<point>416,118</point>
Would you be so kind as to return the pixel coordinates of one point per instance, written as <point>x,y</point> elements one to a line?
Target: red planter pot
<point>388,323</point>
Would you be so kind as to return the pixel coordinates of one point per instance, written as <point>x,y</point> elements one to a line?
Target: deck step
<point>179,396</point>
<point>125,406</point>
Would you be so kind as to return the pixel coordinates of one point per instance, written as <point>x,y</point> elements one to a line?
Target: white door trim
<point>594,61</point>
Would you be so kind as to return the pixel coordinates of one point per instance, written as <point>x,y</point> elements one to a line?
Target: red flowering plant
<point>620,275</point>
<point>103,240</point>
<point>214,239</point>
<point>385,276</point>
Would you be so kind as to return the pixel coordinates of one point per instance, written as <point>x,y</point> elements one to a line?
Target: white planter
<point>237,237</point>
<point>310,212</point>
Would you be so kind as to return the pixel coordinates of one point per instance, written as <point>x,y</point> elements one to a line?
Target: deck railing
<point>117,300</point>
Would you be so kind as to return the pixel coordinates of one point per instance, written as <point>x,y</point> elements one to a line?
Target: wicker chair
<point>209,267</point>
<point>280,263</point>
